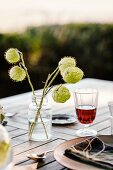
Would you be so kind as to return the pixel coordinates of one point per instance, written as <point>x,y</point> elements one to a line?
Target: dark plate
<point>72,164</point>
<point>62,119</point>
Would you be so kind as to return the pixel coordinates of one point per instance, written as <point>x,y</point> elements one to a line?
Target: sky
<point>17,15</point>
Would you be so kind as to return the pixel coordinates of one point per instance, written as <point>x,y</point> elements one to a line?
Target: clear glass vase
<point>5,150</point>
<point>43,126</point>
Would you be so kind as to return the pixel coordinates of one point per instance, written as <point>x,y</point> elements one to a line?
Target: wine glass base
<point>86,132</point>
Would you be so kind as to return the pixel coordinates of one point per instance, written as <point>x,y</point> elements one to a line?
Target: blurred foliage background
<point>43,47</point>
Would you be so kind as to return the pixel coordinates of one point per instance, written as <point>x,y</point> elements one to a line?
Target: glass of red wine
<point>86,105</point>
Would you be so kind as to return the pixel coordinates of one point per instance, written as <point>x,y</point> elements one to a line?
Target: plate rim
<point>65,123</point>
<point>69,163</point>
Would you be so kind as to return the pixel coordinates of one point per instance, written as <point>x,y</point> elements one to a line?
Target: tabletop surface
<point>18,125</point>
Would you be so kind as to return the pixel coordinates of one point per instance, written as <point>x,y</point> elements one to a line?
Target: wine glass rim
<point>86,90</point>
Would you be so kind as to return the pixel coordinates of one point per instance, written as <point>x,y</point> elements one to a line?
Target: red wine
<point>86,114</point>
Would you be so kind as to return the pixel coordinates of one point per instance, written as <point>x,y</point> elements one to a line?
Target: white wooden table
<point>17,125</point>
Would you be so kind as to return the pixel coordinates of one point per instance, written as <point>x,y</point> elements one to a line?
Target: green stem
<point>36,117</point>
<point>50,78</point>
<point>39,107</point>
<point>53,78</point>
<point>45,91</point>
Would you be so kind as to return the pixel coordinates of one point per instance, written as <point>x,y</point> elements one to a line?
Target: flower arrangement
<point>66,67</point>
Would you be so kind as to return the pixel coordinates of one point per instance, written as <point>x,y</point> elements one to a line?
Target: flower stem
<point>53,78</point>
<point>38,112</point>
<point>48,83</point>
<point>44,93</point>
<point>38,107</point>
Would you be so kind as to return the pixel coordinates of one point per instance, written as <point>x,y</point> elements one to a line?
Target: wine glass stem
<point>86,126</point>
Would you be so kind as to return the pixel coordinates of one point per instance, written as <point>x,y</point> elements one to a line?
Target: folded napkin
<point>92,151</point>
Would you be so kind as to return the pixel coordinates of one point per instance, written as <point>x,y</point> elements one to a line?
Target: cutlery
<point>36,157</point>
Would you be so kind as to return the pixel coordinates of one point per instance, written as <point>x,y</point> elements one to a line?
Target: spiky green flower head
<point>17,73</point>
<point>60,94</point>
<point>12,55</point>
<point>65,63</point>
<point>72,74</point>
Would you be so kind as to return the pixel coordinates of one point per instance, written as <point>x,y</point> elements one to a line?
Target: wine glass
<point>86,105</point>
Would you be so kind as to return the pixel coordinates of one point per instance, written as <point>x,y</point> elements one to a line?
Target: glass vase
<point>43,125</point>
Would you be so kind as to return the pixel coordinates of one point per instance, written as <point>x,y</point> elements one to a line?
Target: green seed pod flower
<point>66,62</point>
<point>17,73</point>
<point>72,74</point>
<point>61,94</point>
<point>12,55</point>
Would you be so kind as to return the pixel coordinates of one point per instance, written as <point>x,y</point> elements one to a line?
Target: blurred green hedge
<point>43,47</point>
